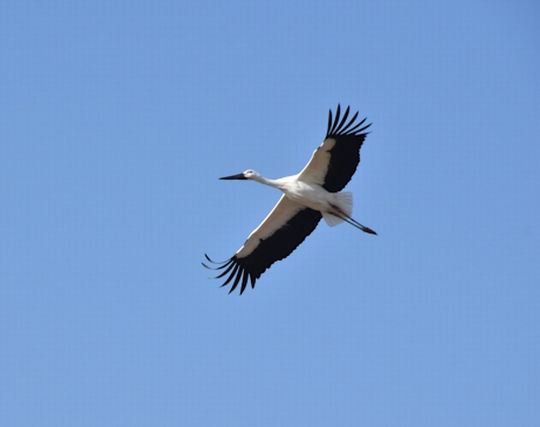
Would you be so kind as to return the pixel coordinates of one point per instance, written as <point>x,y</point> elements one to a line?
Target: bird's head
<point>247,174</point>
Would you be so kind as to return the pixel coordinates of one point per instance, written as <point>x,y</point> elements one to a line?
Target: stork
<point>312,194</point>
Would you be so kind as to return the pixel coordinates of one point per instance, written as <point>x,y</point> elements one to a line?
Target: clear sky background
<point>117,118</point>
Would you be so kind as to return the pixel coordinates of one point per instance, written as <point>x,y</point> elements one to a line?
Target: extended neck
<point>267,181</point>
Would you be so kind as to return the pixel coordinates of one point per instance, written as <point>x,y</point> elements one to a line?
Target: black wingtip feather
<point>350,122</point>
<point>336,120</point>
<point>338,126</point>
<point>232,274</point>
<point>236,279</point>
<point>226,271</point>
<point>244,282</point>
<point>329,122</point>
<point>221,266</point>
<point>214,262</point>
<point>338,129</point>
<point>234,271</point>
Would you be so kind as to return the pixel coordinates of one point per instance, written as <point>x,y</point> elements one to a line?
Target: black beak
<point>237,176</point>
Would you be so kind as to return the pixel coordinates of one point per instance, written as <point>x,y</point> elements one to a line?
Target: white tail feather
<point>344,201</point>
<point>331,220</point>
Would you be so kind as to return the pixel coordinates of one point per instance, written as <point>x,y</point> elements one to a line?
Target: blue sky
<point>116,118</point>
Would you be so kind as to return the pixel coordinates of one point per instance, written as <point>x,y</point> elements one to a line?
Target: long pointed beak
<point>237,176</point>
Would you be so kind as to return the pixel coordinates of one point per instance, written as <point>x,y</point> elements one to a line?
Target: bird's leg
<point>340,214</point>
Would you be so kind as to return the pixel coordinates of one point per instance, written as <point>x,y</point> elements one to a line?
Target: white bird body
<point>308,196</point>
<point>305,193</point>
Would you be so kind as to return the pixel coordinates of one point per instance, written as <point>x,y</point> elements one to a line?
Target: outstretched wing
<point>285,227</point>
<point>334,162</point>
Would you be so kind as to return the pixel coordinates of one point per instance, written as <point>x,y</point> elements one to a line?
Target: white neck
<point>266,181</point>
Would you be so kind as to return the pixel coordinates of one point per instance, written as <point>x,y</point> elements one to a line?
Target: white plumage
<point>311,194</point>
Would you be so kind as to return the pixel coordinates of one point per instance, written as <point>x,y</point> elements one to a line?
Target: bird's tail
<point>344,202</point>
<point>342,210</point>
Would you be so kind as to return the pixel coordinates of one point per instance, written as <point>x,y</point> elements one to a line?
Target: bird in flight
<point>312,194</point>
